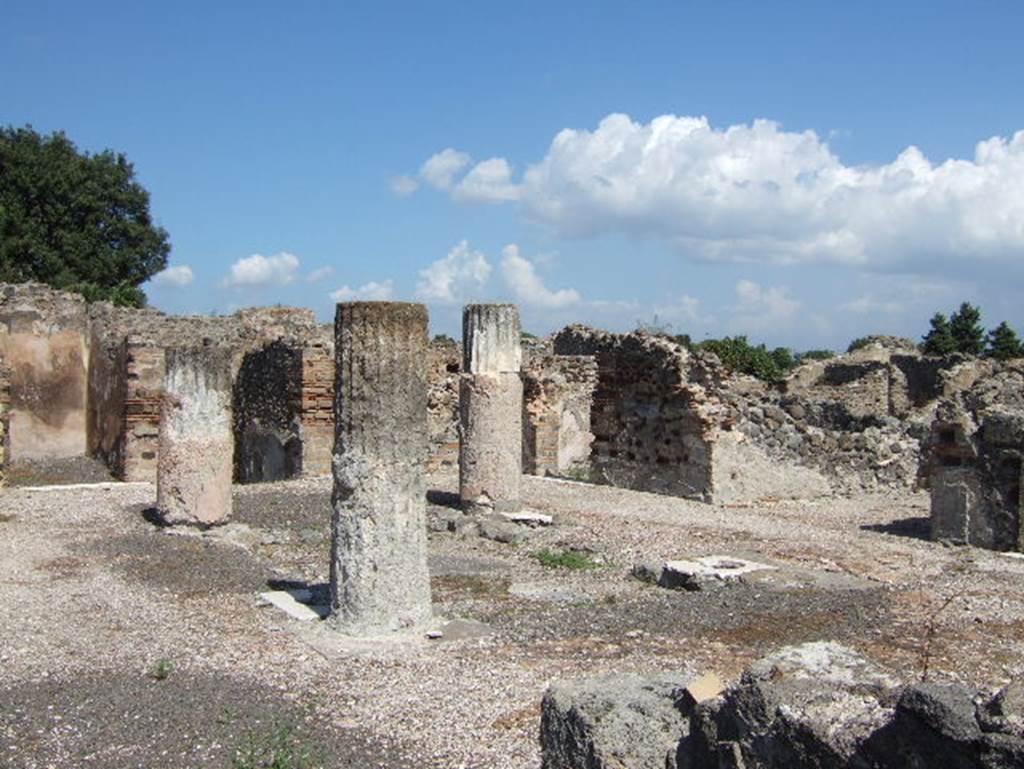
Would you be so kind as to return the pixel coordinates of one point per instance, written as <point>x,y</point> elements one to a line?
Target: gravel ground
<point>95,599</point>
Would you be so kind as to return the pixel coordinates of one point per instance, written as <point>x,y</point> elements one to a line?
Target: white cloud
<point>320,273</point>
<point>403,186</point>
<point>488,182</point>
<point>757,193</point>
<point>440,169</point>
<point>904,295</point>
<point>455,277</point>
<point>178,276</point>
<point>259,270</point>
<point>527,287</point>
<point>686,309</point>
<point>369,292</point>
<point>759,309</point>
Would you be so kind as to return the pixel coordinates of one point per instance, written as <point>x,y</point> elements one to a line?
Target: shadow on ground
<point>184,720</point>
<point>919,527</point>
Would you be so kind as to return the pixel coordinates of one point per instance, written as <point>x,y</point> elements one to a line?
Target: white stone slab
<point>708,567</point>
<point>528,518</point>
<point>295,603</point>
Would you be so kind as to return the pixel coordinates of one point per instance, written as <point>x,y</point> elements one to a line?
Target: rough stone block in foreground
<point>196,441</point>
<point>490,409</point>
<point>379,579</point>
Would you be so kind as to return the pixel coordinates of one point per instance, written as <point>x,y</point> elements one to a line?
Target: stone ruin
<point>813,706</point>
<point>631,410</point>
<point>975,461</point>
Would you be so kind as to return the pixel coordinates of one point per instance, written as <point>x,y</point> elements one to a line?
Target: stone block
<point>196,443</point>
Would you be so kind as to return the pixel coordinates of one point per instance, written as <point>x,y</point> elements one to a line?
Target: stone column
<point>490,409</point>
<point>379,579</point>
<point>196,443</point>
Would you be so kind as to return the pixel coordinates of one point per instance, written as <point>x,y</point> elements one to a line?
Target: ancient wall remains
<point>44,340</point>
<point>5,407</point>
<point>138,438</point>
<point>652,430</point>
<point>558,392</point>
<point>976,453</point>
<point>316,403</point>
<point>283,409</point>
<point>444,363</point>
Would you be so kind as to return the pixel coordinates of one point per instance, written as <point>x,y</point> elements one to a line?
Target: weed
<point>277,749</point>
<point>577,472</point>
<point>566,559</point>
<point>929,634</point>
<point>161,670</point>
<point>5,518</point>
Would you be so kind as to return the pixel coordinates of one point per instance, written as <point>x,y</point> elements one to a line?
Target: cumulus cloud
<point>757,193</point>
<point>686,309</point>
<point>369,292</point>
<point>455,277</point>
<point>403,186</point>
<point>441,169</point>
<point>258,270</point>
<point>488,182</point>
<point>528,287</point>
<point>760,309</point>
<point>904,295</point>
<point>319,274</point>
<point>179,276</point>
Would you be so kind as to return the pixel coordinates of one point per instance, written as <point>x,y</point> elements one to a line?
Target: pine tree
<point>939,339</point>
<point>967,331</point>
<point>1003,343</point>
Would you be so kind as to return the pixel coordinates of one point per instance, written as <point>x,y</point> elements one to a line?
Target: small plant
<point>161,670</point>
<point>929,634</point>
<point>565,559</point>
<point>277,749</point>
<point>578,472</point>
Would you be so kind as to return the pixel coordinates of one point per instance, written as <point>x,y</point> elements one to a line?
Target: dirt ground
<point>124,644</point>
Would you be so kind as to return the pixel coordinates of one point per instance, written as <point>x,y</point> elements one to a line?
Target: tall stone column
<point>379,578</point>
<point>196,443</point>
<point>490,409</point>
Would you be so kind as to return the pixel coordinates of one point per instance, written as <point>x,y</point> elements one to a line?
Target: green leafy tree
<point>783,358</point>
<point>968,333</point>
<point>858,343</point>
<point>76,221</point>
<point>1003,343</point>
<point>939,339</point>
<point>816,355</point>
<point>738,355</point>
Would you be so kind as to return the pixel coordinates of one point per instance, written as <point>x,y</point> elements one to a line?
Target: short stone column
<point>379,578</point>
<point>196,443</point>
<point>490,409</point>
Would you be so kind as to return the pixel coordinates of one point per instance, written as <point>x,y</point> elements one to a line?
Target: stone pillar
<point>379,578</point>
<point>490,409</point>
<point>196,445</point>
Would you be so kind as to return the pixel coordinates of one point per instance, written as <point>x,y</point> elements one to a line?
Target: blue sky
<point>726,167</point>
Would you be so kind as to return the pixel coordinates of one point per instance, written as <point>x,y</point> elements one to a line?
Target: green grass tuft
<point>565,559</point>
<point>278,748</point>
